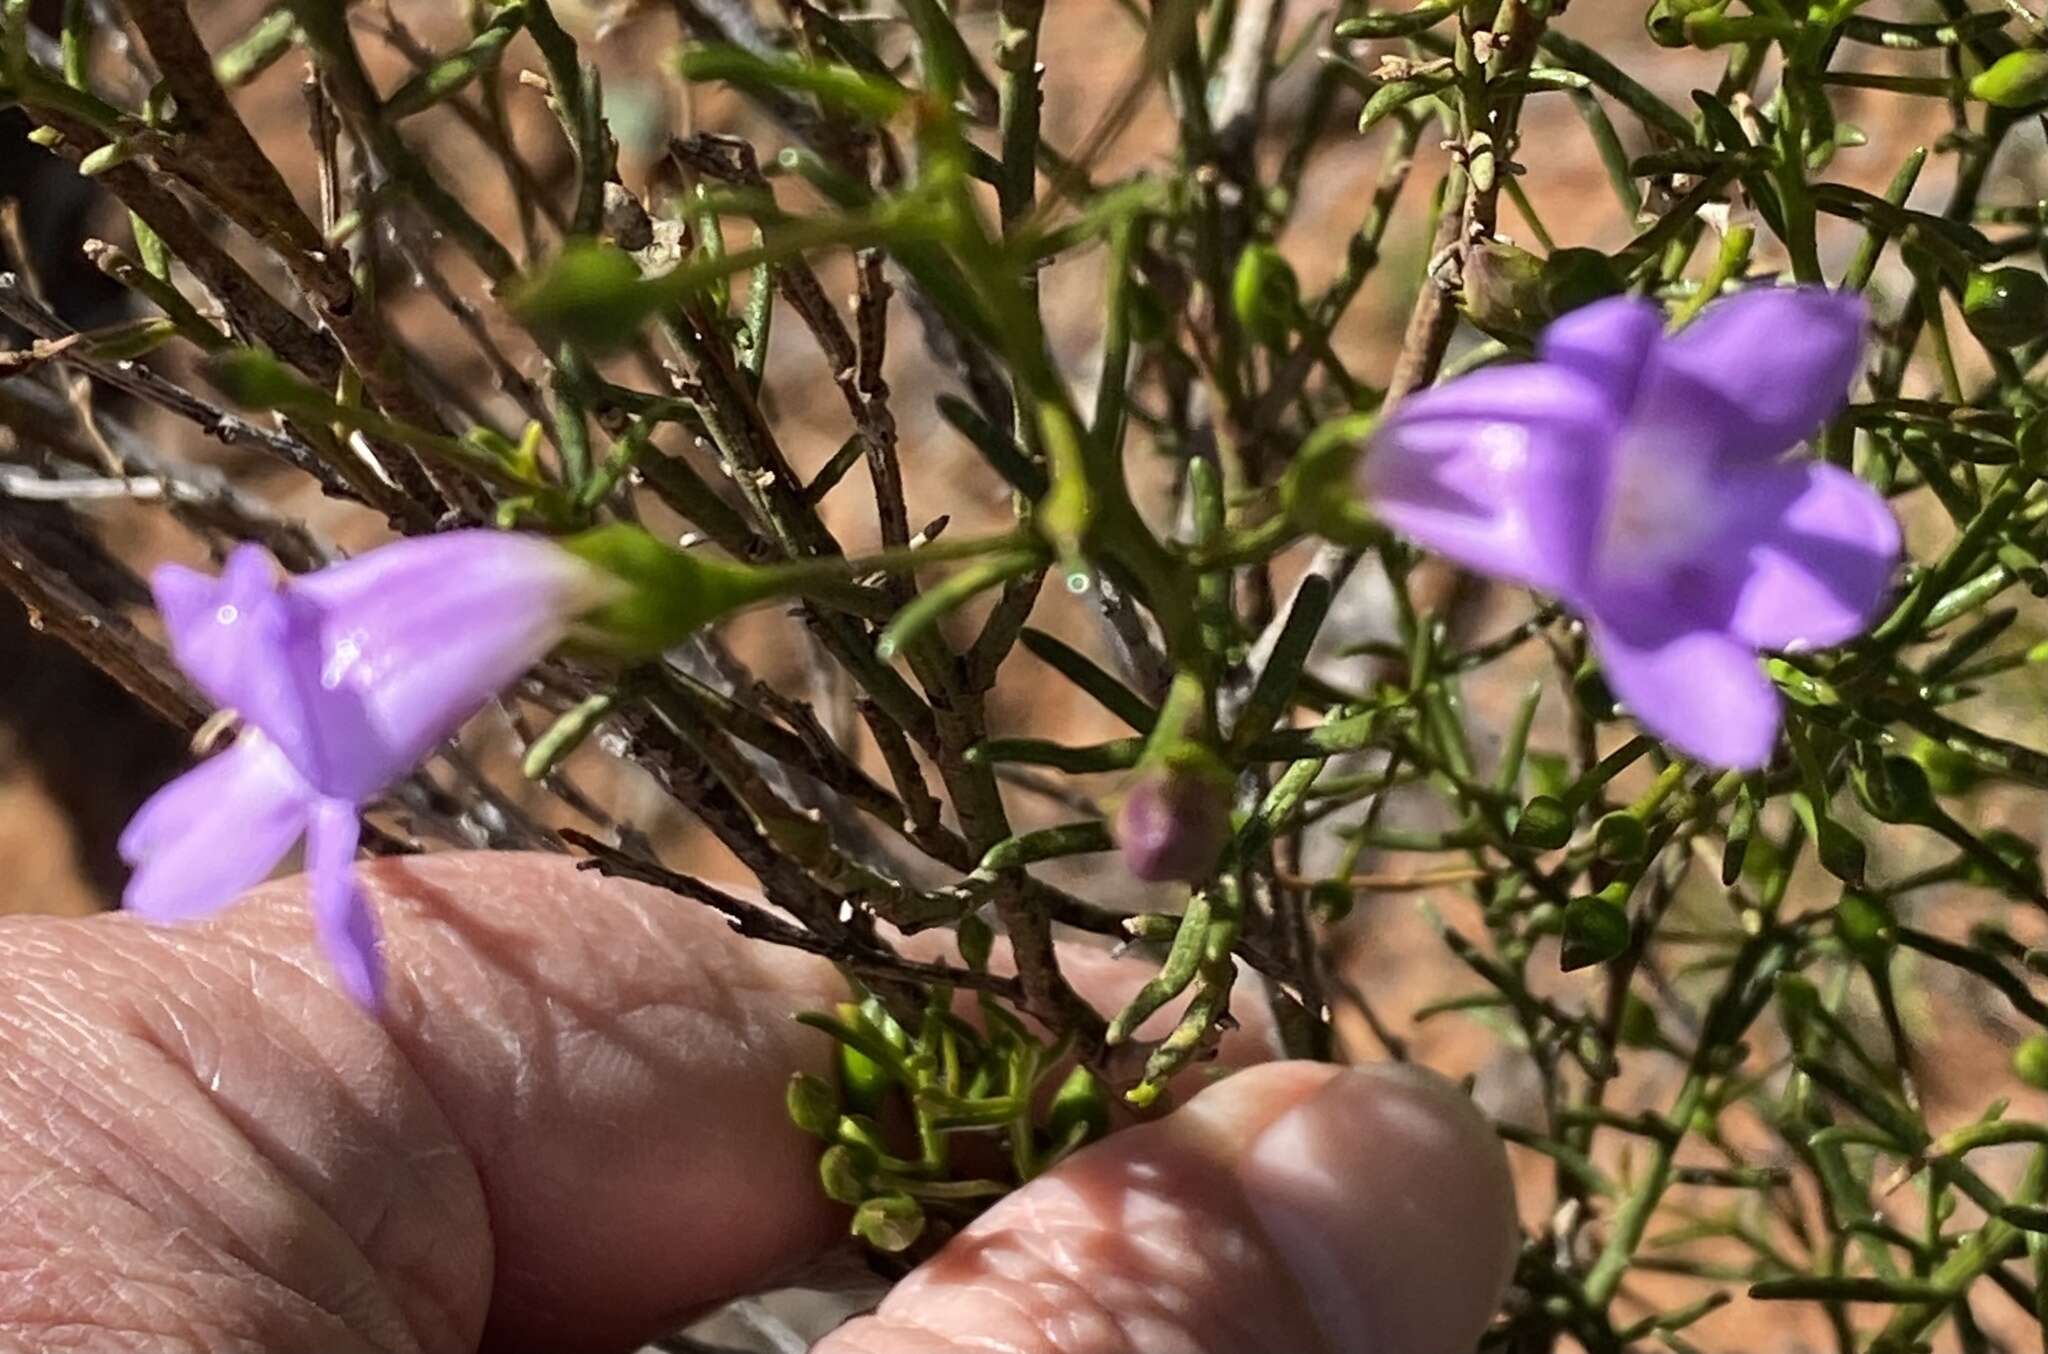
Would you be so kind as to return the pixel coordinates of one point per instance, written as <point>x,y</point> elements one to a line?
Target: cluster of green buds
<point>928,1123</point>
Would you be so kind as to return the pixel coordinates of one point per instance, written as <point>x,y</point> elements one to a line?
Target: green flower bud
<point>1595,928</point>
<point>813,1104</point>
<point>1080,1108</point>
<point>1577,277</point>
<point>1330,900</point>
<point>889,1222</point>
<point>2015,80</point>
<point>592,295</point>
<point>976,939</point>
<point>1317,491</point>
<point>1897,791</point>
<point>1591,691</point>
<point>1545,824</point>
<point>1841,852</point>
<point>1265,295</point>
<point>2006,307</point>
<point>1620,838</point>
<point>2030,1061</point>
<point>843,1173</point>
<point>1666,20</point>
<point>1503,292</point>
<point>1864,924</point>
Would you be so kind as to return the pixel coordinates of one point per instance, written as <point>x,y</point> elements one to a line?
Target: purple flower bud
<point>1641,479</point>
<point>1172,824</point>
<point>345,679</point>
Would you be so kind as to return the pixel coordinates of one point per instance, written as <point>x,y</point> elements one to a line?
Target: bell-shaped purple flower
<point>344,679</point>
<point>1642,480</point>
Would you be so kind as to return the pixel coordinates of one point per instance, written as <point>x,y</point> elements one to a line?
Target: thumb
<point>1293,1207</point>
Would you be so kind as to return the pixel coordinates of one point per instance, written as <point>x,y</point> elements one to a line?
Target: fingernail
<point>1228,1117</point>
<point>1388,1196</point>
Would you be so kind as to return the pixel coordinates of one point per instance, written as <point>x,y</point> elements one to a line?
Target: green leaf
<point>1395,95</point>
<point>1400,24</point>
<point>1638,1028</point>
<point>452,73</point>
<point>837,87</point>
<point>567,733</point>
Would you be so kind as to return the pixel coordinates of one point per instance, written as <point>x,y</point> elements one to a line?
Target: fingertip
<point>1296,1206</point>
<point>1388,1196</point>
<point>1229,1115</point>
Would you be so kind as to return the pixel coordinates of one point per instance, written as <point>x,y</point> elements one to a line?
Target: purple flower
<point>1641,479</point>
<point>345,679</point>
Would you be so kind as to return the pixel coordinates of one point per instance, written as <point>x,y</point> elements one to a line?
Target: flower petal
<point>1814,549</point>
<point>1701,691</point>
<point>214,832</point>
<point>1782,358</point>
<point>475,563</point>
<point>341,913</point>
<point>239,640</point>
<point>219,627</point>
<point>1607,342</point>
<point>408,641</point>
<point>1503,470</point>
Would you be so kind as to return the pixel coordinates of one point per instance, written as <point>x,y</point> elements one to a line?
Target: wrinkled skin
<point>569,1133</point>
